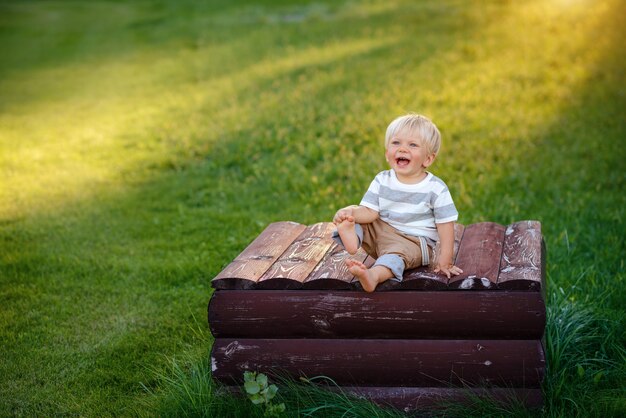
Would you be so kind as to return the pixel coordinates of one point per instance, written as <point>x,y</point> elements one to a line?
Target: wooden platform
<point>287,304</point>
<point>288,255</point>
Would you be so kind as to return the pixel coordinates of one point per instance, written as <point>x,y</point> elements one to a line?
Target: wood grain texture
<point>521,264</point>
<point>479,257</point>
<point>291,256</point>
<point>299,259</point>
<point>408,349</point>
<point>332,272</point>
<point>399,315</point>
<point>409,399</point>
<point>357,362</point>
<point>246,269</point>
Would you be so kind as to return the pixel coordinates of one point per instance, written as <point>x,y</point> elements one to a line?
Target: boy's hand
<point>448,269</point>
<point>342,215</point>
<point>444,263</point>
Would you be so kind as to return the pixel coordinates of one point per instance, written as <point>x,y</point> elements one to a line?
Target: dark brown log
<point>354,314</point>
<point>416,279</point>
<point>409,399</point>
<point>332,272</point>
<point>250,265</point>
<point>420,363</point>
<point>479,257</point>
<point>299,260</point>
<point>521,264</point>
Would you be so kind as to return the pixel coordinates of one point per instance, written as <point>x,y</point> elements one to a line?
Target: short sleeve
<point>370,199</point>
<point>444,209</point>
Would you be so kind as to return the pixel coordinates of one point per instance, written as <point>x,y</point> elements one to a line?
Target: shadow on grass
<point>105,285</point>
<point>95,289</point>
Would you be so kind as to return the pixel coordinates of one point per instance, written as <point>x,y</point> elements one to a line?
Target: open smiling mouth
<point>402,162</point>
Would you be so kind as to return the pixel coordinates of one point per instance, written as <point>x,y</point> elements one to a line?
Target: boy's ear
<point>429,160</point>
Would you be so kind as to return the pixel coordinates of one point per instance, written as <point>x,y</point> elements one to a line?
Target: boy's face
<point>408,156</point>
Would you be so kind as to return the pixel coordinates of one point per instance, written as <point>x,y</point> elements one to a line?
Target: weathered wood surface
<point>520,267</point>
<point>258,257</point>
<point>353,314</point>
<point>299,259</point>
<point>332,272</point>
<point>403,348</point>
<point>410,399</point>
<point>479,256</point>
<point>382,362</point>
<point>292,256</point>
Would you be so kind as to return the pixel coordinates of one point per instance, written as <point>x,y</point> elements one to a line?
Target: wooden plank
<point>379,362</point>
<point>300,259</point>
<point>355,314</point>
<point>332,272</point>
<point>521,264</point>
<point>409,399</point>
<point>479,256</point>
<point>257,258</point>
<point>425,278</point>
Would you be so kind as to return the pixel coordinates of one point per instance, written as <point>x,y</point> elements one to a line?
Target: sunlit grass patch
<point>143,145</point>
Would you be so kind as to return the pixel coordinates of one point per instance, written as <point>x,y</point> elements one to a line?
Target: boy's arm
<point>361,214</point>
<point>446,238</point>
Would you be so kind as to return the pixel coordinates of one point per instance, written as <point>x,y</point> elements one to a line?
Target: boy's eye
<point>395,142</point>
<point>414,145</point>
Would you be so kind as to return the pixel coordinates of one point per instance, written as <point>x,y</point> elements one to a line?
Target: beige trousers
<point>380,238</point>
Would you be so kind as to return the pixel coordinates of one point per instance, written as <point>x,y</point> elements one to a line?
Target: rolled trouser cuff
<point>393,262</point>
<point>424,250</point>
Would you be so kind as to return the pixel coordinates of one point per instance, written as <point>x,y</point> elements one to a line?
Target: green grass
<point>144,144</point>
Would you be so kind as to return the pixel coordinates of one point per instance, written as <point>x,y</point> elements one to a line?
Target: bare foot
<point>365,276</point>
<point>348,235</point>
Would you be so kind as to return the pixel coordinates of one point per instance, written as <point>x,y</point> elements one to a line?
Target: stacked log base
<point>287,305</point>
<point>421,347</point>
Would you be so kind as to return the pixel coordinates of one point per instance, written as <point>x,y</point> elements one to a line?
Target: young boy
<point>405,210</point>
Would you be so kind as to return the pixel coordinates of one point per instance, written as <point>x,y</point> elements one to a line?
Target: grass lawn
<point>144,144</point>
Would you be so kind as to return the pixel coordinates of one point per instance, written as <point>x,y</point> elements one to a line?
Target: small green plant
<point>260,393</point>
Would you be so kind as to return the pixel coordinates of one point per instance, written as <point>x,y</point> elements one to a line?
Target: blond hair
<point>415,125</point>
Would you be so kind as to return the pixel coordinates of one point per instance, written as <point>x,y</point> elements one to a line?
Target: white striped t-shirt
<point>414,209</point>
